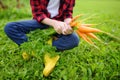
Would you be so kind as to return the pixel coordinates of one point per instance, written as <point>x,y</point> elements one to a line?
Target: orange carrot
<point>76,17</point>
<point>85,29</point>
<point>93,36</point>
<point>73,24</point>
<point>83,36</point>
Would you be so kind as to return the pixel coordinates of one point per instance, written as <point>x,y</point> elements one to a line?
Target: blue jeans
<point>17,31</point>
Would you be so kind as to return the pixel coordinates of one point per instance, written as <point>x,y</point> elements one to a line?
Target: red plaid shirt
<point>39,9</point>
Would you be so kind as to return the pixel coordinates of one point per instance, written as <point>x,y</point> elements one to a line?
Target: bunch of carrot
<point>86,32</point>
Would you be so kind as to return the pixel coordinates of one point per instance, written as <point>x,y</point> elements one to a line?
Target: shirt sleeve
<point>69,11</point>
<point>37,12</point>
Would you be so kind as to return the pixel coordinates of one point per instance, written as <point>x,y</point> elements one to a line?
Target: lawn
<point>81,63</point>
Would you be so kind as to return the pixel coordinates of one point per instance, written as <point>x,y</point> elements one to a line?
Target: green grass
<point>81,63</point>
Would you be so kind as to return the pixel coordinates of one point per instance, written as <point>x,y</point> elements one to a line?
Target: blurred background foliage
<point>14,8</point>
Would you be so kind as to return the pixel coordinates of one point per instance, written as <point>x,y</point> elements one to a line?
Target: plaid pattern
<point>39,9</point>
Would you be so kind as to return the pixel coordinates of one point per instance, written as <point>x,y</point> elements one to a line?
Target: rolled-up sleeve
<point>37,12</point>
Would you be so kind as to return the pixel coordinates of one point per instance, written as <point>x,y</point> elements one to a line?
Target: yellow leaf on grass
<point>49,64</point>
<point>25,56</point>
<point>49,41</point>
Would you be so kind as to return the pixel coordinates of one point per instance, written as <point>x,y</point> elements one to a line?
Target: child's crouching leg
<point>12,31</point>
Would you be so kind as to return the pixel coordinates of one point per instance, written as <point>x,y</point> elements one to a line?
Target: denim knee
<point>74,40</point>
<point>77,39</point>
<point>66,42</point>
<point>9,27</point>
<point>13,32</point>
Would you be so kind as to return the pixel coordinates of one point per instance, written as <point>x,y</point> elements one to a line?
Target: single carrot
<point>85,29</point>
<point>83,36</point>
<point>76,17</point>
<point>73,24</point>
<point>93,36</point>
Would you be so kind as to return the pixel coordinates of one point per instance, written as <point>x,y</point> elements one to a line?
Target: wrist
<point>52,22</point>
<point>49,21</point>
<point>67,20</point>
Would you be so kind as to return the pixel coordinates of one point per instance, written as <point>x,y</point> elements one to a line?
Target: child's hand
<point>62,27</point>
<point>67,29</point>
<point>59,26</point>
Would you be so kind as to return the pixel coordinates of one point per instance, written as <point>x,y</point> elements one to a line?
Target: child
<point>46,13</point>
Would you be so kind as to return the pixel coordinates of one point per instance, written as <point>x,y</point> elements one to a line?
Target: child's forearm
<point>48,21</point>
<point>53,23</point>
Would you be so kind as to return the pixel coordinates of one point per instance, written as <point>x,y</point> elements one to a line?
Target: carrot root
<point>82,35</point>
<point>95,37</point>
<point>85,29</point>
<point>74,24</point>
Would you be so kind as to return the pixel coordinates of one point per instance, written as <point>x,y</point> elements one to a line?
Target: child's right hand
<point>62,28</point>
